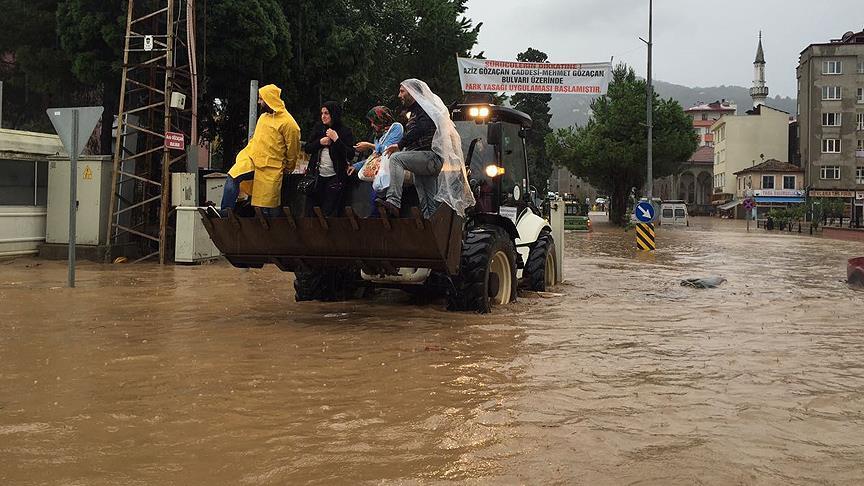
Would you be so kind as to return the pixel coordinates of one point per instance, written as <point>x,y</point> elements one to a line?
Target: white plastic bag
<point>369,168</point>
<point>382,179</point>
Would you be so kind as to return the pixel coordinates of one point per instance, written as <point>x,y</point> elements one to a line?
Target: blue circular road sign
<point>645,212</point>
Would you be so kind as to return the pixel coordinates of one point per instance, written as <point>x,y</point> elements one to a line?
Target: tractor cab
<point>493,143</point>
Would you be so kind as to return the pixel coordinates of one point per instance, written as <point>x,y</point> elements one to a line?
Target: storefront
<point>768,199</point>
<point>853,203</point>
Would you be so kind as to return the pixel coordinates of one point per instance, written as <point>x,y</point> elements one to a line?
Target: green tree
<point>35,70</point>
<point>609,151</point>
<point>245,40</point>
<point>537,107</point>
<point>92,34</point>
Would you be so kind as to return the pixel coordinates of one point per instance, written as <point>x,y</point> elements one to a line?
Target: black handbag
<point>309,183</point>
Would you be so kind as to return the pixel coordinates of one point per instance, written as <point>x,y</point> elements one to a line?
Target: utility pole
<point>650,111</point>
<point>650,102</point>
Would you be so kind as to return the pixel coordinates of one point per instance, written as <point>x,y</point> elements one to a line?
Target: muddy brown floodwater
<point>212,375</point>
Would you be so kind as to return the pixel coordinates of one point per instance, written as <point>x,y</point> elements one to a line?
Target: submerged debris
<point>703,283</point>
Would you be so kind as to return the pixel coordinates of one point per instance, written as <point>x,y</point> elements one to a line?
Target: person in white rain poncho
<point>431,149</point>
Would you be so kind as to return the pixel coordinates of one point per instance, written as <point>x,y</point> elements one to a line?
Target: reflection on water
<point>209,375</point>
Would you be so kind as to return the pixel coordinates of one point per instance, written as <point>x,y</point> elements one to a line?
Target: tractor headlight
<point>493,171</point>
<point>478,111</point>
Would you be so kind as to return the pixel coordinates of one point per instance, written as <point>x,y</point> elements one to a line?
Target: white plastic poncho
<point>453,188</point>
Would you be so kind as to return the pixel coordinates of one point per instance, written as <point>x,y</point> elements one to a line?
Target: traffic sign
<point>645,212</point>
<point>175,141</point>
<point>64,123</point>
<point>74,126</point>
<point>645,237</point>
<point>749,204</point>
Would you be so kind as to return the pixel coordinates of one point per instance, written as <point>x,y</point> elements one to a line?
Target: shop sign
<point>844,194</point>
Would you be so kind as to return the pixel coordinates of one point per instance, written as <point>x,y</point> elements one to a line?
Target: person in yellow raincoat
<point>273,150</point>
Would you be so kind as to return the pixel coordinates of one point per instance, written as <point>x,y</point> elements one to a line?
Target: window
<point>667,213</point>
<point>513,155</point>
<point>832,119</point>
<point>832,93</point>
<point>832,67</point>
<point>830,172</point>
<point>860,67</point>
<point>860,147</point>
<point>704,115</point>
<point>830,145</point>
<point>767,182</point>
<point>859,121</point>
<point>860,95</point>
<point>788,182</point>
<point>23,183</point>
<point>859,175</point>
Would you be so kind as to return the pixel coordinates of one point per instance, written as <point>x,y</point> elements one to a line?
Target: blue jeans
<point>232,189</point>
<point>425,165</point>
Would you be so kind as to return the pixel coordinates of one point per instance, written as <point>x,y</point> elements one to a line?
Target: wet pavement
<point>211,375</point>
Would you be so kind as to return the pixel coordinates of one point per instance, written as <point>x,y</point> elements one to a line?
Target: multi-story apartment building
<point>704,115</point>
<point>831,118</point>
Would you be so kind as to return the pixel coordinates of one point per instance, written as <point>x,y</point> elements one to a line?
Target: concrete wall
<point>747,138</point>
<point>811,132</point>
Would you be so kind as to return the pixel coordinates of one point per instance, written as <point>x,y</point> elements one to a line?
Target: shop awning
<point>730,205</point>
<point>779,199</point>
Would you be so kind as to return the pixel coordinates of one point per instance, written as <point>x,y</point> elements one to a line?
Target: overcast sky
<point>696,43</point>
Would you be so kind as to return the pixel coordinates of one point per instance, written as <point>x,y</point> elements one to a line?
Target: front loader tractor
<point>478,262</point>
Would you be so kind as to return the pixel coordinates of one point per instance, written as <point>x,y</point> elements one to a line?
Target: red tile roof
<point>772,165</point>
<point>703,155</point>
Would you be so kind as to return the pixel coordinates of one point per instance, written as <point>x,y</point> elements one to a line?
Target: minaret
<point>759,91</point>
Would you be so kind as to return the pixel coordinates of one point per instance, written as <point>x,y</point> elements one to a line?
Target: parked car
<point>855,272</point>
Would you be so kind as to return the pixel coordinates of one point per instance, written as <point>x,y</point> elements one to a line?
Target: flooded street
<point>211,375</point>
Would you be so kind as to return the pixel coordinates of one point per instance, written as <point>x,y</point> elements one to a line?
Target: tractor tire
<point>326,284</point>
<point>487,273</point>
<point>541,267</point>
<point>309,285</point>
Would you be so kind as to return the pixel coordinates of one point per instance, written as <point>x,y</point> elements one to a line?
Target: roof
<point>760,54</point>
<point>771,165</point>
<point>715,106</point>
<point>848,38</point>
<point>497,113</point>
<point>703,155</point>
<point>757,110</point>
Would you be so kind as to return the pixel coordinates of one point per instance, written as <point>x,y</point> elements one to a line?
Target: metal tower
<point>158,112</point>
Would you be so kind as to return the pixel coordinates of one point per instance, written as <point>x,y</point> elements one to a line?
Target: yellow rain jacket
<point>274,148</point>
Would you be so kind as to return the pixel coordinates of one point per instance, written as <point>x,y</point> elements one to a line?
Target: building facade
<point>704,115</point>
<point>692,184</point>
<point>772,184</point>
<point>831,118</point>
<point>743,141</point>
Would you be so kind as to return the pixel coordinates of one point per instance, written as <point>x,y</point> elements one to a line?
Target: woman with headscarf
<point>330,148</point>
<point>387,131</point>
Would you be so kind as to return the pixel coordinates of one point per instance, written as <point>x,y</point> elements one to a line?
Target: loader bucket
<point>379,245</point>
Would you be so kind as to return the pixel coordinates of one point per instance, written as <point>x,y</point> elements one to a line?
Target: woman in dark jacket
<point>330,148</point>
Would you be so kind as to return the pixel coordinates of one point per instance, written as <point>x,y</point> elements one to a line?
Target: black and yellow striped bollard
<point>646,239</point>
